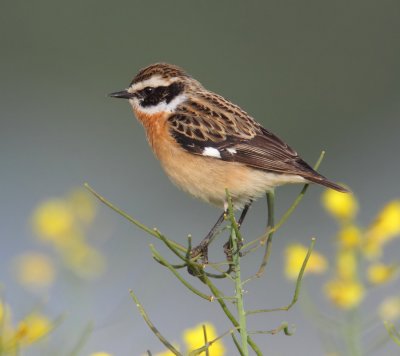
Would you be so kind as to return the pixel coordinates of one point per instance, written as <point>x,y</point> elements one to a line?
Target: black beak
<point>124,94</point>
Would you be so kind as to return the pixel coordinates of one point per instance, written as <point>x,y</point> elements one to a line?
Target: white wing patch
<point>232,151</point>
<point>211,152</point>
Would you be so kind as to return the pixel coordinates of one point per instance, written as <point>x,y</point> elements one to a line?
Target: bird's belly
<point>207,178</point>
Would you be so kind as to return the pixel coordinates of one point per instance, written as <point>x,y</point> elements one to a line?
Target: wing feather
<point>216,123</point>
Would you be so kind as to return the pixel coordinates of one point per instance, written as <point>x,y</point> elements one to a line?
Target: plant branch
<point>235,241</point>
<point>283,327</point>
<point>163,261</point>
<point>219,297</point>
<point>152,327</point>
<point>141,226</point>
<point>297,288</point>
<point>287,214</point>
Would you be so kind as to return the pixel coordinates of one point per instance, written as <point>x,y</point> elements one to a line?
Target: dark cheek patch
<point>173,91</point>
<point>161,94</point>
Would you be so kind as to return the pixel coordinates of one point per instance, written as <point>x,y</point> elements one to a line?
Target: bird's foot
<point>199,253</point>
<point>228,250</point>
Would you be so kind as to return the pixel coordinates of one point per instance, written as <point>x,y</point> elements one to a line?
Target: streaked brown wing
<point>217,128</point>
<point>267,152</point>
<point>223,126</point>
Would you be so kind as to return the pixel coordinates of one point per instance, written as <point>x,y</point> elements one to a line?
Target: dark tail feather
<point>319,179</point>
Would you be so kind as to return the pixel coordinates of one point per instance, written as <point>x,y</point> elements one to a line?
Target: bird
<point>207,144</point>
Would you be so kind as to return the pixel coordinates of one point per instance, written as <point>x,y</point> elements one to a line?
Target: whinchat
<point>206,144</point>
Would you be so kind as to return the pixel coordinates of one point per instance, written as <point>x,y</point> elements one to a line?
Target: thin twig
<point>283,327</point>
<point>145,228</point>
<point>84,337</point>
<point>297,288</point>
<point>286,215</point>
<point>270,228</point>
<point>207,345</point>
<point>171,246</point>
<point>393,333</point>
<point>299,197</point>
<point>205,339</point>
<point>151,325</point>
<point>210,298</point>
<point>236,342</point>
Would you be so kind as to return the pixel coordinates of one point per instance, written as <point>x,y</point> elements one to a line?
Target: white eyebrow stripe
<point>155,81</point>
<point>160,107</point>
<point>211,152</point>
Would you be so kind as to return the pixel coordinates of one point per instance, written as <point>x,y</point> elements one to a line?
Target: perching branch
<point>235,241</point>
<point>141,226</point>
<point>233,273</point>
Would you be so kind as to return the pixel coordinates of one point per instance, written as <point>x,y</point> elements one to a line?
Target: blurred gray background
<point>321,75</point>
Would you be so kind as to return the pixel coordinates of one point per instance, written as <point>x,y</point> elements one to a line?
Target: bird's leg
<point>202,248</point>
<point>228,245</point>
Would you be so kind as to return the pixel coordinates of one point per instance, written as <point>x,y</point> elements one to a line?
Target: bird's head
<point>157,88</point>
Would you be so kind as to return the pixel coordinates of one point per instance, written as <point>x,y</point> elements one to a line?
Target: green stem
<point>206,346</point>
<point>163,261</point>
<point>352,333</point>
<point>82,340</point>
<point>206,340</point>
<point>287,214</point>
<point>236,342</point>
<point>151,325</point>
<point>239,295</point>
<point>299,197</point>
<point>283,327</point>
<point>145,228</point>
<point>393,333</point>
<point>219,297</point>
<point>270,228</point>
<point>235,240</point>
<point>297,288</point>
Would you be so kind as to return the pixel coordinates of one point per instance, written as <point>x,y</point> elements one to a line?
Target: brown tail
<point>319,179</point>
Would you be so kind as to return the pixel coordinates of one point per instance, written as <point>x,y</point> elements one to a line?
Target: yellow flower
<point>343,206</point>
<point>52,218</point>
<point>194,339</point>
<point>387,224</point>
<point>100,354</point>
<point>379,273</point>
<point>35,270</point>
<point>344,294</point>
<point>350,236</point>
<point>7,332</point>
<point>294,258</point>
<point>390,309</point>
<point>82,204</point>
<point>34,327</point>
<point>83,259</point>
<point>346,264</point>
<point>372,248</point>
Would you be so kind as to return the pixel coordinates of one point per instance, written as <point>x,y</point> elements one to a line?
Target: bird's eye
<point>148,90</point>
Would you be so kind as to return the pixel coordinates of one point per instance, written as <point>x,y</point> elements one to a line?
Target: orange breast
<point>203,177</point>
<point>155,127</point>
